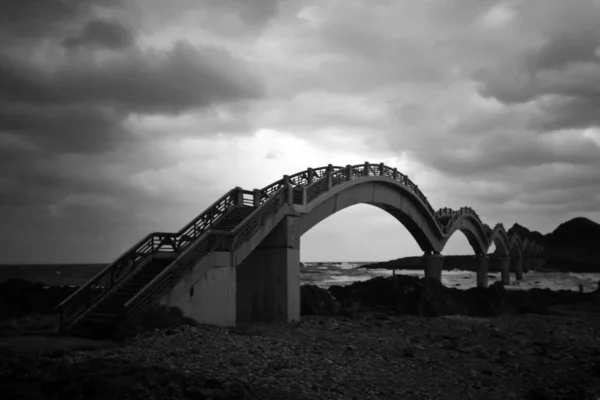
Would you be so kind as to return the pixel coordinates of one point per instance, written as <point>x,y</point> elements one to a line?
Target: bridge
<point>239,261</point>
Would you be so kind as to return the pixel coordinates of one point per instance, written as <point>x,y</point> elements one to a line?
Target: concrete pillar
<point>207,293</point>
<point>433,264</point>
<point>502,264</point>
<point>482,271</point>
<point>525,263</point>
<point>519,268</point>
<point>268,280</point>
<point>535,263</point>
<point>517,265</point>
<point>540,263</point>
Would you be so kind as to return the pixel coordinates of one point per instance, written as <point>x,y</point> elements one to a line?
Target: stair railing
<point>95,289</point>
<point>168,277</point>
<point>212,240</point>
<point>256,220</point>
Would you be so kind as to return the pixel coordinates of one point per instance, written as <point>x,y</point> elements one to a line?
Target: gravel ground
<point>373,355</point>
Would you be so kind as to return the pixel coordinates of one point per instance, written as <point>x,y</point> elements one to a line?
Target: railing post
<point>366,170</point>
<point>256,197</point>
<point>239,196</point>
<point>381,169</point>
<point>289,189</point>
<point>348,172</point>
<point>311,174</point>
<point>304,198</point>
<point>395,174</point>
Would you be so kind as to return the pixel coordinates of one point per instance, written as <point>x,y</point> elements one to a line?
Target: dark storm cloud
<point>565,48</point>
<point>64,128</point>
<point>102,33</point>
<point>567,113</point>
<point>512,151</point>
<point>22,20</point>
<point>73,81</point>
<point>180,79</point>
<point>561,76</point>
<point>78,102</point>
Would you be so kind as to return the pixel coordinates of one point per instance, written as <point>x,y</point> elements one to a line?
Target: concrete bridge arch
<point>264,267</point>
<point>379,192</point>
<point>500,239</point>
<point>471,227</point>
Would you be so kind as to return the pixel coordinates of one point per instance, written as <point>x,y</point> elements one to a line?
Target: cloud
<point>132,115</point>
<point>102,33</point>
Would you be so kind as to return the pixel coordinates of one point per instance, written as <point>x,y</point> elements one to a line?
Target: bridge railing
<point>212,240</point>
<point>97,287</point>
<point>350,172</point>
<point>255,221</point>
<point>167,278</point>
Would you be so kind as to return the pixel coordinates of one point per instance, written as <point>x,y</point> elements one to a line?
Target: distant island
<point>574,246</point>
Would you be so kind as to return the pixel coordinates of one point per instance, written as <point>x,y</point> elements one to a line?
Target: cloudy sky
<point>121,117</point>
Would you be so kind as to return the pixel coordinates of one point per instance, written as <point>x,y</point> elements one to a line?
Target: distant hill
<point>573,246</point>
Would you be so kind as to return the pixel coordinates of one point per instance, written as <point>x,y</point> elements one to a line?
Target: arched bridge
<point>239,259</point>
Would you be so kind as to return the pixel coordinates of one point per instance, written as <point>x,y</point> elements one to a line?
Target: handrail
<point>252,222</point>
<point>245,228</point>
<point>128,260</point>
<point>175,268</point>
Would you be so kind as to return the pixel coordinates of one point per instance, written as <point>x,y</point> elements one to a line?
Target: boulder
<point>316,300</point>
<point>19,297</point>
<point>429,297</point>
<point>435,299</point>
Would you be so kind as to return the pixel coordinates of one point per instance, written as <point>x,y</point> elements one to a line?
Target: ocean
<point>322,274</point>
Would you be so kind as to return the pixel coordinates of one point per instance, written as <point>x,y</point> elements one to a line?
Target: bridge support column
<point>517,264</point>
<point>526,264</point>
<point>482,271</point>
<point>207,295</point>
<point>534,263</point>
<point>268,280</point>
<point>502,264</point>
<point>433,264</point>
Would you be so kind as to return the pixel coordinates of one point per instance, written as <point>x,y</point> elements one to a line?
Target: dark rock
<point>315,300</point>
<point>19,297</point>
<point>103,380</point>
<point>429,297</point>
<point>410,352</point>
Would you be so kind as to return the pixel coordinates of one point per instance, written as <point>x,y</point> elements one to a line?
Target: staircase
<point>233,218</point>
<point>101,318</point>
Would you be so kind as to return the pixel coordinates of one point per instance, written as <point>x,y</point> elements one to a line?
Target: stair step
<point>102,317</point>
<point>113,303</point>
<point>133,285</point>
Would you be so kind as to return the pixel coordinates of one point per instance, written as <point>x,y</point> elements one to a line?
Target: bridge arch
<point>472,228</point>
<point>526,247</point>
<point>499,237</point>
<point>380,192</point>
<point>516,246</point>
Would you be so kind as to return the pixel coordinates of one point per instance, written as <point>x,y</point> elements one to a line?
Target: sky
<point>122,117</point>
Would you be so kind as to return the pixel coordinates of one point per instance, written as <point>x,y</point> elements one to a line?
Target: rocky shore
<point>403,338</point>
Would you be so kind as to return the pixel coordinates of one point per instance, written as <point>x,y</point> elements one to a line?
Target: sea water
<point>323,275</point>
<point>327,274</point>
